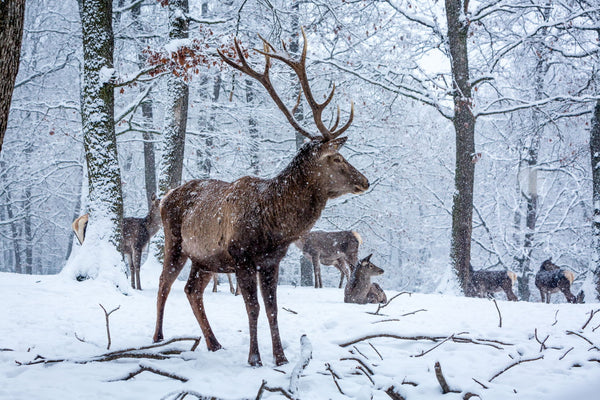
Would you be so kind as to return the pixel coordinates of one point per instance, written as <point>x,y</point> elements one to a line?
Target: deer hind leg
<point>567,292</point>
<point>194,289</point>
<point>268,288</point>
<point>342,266</point>
<point>232,288</point>
<point>510,295</point>
<point>172,266</point>
<point>215,282</point>
<point>246,277</point>
<point>129,258</point>
<point>317,270</point>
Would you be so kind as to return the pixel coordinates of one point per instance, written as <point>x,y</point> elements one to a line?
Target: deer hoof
<point>213,345</point>
<point>280,360</point>
<point>254,360</point>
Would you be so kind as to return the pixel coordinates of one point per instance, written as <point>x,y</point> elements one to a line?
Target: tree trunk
<point>176,109</point>
<point>464,125</point>
<point>97,110</point>
<point>12,15</point>
<point>595,155</point>
<point>253,128</point>
<point>306,267</point>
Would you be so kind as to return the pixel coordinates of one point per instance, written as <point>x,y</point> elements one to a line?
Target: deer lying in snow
<point>339,249</point>
<point>359,288</point>
<point>246,226</point>
<point>551,279</point>
<point>137,232</point>
<point>486,283</point>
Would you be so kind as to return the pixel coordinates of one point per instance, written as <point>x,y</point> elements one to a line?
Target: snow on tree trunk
<point>464,125</point>
<point>99,255</point>
<point>176,108</point>
<point>595,155</point>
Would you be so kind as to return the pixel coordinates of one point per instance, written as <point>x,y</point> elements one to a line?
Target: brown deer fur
<point>339,249</point>
<point>551,279</point>
<point>246,227</point>
<point>136,235</point>
<point>486,283</point>
<point>359,288</point>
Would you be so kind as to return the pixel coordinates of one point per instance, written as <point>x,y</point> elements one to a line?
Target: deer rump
<point>552,281</point>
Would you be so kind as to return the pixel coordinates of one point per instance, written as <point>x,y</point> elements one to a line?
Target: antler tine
<point>347,125</point>
<point>264,80</point>
<point>337,120</point>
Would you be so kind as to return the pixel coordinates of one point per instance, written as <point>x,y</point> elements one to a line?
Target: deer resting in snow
<point>486,283</point>
<point>137,232</point>
<point>551,279</point>
<point>339,249</point>
<point>359,288</point>
<point>246,226</point>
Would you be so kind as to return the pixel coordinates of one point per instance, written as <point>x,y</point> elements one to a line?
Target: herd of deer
<point>246,226</point>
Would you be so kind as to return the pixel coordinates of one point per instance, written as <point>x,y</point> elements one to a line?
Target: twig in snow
<point>481,384</point>
<point>468,395</point>
<point>594,330</point>
<point>514,364</point>
<point>413,312</point>
<point>305,357</point>
<point>289,310</point>
<point>566,352</point>
<point>451,337</point>
<point>264,387</point>
<point>358,351</point>
<point>106,315</point>
<point>380,306</point>
<point>555,319</point>
<point>542,343</point>
<point>440,377</point>
<point>82,340</point>
<point>581,336</point>
<point>592,312</point>
<point>358,360</point>
<point>393,394</point>
<point>335,378</point>
<point>5,349</point>
<point>156,371</point>
<point>482,342</point>
<point>499,315</point>
<point>378,353</point>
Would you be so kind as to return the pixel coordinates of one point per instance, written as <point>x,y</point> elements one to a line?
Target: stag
<point>136,235</point>
<point>486,283</point>
<point>339,249</point>
<point>246,226</point>
<point>359,288</point>
<point>551,279</point>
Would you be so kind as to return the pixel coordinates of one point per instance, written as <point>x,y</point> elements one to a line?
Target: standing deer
<point>246,226</point>
<point>359,288</point>
<point>136,235</point>
<point>339,249</point>
<point>551,279</point>
<point>486,283</point>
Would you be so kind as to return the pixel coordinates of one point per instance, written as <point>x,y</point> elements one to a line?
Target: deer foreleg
<point>137,260</point>
<point>172,266</point>
<point>232,289</point>
<point>246,278</point>
<point>215,282</point>
<point>268,288</point>
<point>194,289</point>
<point>342,266</point>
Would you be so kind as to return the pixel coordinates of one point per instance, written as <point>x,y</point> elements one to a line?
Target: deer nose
<point>361,186</point>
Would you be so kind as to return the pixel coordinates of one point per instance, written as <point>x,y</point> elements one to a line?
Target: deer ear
<point>368,258</point>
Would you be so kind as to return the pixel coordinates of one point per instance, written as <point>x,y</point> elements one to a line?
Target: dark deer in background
<point>551,279</point>
<point>359,288</point>
<point>247,226</point>
<point>136,235</point>
<point>339,249</point>
<point>486,283</point>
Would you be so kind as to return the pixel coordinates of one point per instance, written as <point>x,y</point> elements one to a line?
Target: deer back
<point>331,245</point>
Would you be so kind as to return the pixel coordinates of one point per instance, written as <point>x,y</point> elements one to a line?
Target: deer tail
<point>512,276</point>
<point>357,236</point>
<point>569,275</point>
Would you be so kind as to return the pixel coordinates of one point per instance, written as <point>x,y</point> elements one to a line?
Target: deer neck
<point>152,225</point>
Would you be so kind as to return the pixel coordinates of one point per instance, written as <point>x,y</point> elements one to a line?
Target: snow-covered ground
<point>42,315</point>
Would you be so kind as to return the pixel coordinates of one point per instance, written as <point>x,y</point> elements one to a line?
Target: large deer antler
<point>299,68</point>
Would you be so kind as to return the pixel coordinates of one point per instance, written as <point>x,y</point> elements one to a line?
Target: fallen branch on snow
<point>483,342</point>
<point>305,357</point>
<point>106,316</point>
<point>152,369</point>
<point>513,365</point>
<point>380,306</point>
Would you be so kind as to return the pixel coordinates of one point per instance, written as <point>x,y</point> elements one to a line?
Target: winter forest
<point>477,124</point>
